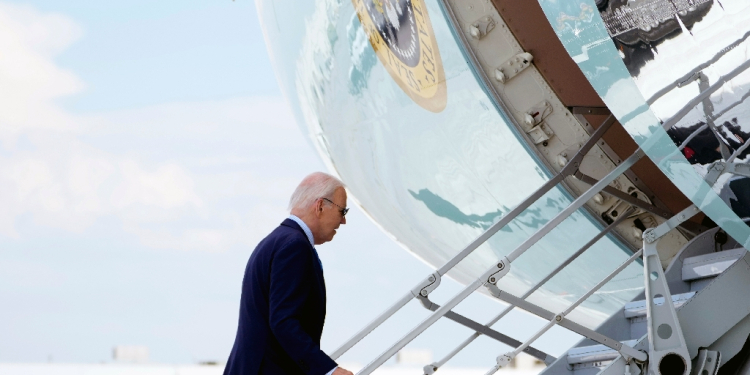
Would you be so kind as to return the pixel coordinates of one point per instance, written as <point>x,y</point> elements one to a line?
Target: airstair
<point>689,335</point>
<point>692,318</point>
<point>700,279</point>
<point>707,283</point>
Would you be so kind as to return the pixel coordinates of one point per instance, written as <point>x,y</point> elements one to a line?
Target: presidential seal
<point>401,34</point>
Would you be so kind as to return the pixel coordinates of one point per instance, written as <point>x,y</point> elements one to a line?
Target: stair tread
<point>638,308</point>
<point>693,268</point>
<point>594,353</point>
<point>709,265</point>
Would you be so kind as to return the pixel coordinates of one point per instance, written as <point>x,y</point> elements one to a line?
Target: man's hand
<point>341,371</point>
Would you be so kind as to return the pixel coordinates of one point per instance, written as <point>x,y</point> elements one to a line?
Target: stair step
<point>693,268</point>
<point>709,265</point>
<point>594,353</point>
<point>637,309</point>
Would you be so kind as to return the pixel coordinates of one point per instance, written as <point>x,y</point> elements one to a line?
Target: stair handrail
<point>432,281</point>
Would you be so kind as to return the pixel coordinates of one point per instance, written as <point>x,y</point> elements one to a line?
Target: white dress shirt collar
<point>305,229</point>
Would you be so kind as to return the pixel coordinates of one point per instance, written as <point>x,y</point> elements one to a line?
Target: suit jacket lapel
<point>318,264</point>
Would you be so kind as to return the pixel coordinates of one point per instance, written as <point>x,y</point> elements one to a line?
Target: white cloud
<point>169,186</point>
<point>174,175</point>
<point>29,78</point>
<point>65,183</point>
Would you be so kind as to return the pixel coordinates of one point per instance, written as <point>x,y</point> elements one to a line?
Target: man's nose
<point>343,220</point>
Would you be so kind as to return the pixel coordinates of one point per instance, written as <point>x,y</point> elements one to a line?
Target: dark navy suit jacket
<point>282,309</point>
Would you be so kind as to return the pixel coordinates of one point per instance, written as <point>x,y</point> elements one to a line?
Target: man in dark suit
<point>283,303</point>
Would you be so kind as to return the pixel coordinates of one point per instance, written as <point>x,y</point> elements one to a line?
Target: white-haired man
<point>282,308</point>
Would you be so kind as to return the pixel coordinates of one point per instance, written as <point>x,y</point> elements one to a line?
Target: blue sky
<point>144,150</point>
<point>138,53</point>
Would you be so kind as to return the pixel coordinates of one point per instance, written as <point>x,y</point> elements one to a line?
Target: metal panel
<point>638,308</point>
<point>710,264</point>
<point>728,300</point>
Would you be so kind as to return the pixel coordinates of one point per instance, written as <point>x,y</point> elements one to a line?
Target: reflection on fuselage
<point>705,146</point>
<point>638,27</point>
<point>671,64</point>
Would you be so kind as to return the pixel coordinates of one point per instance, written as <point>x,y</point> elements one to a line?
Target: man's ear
<point>318,207</point>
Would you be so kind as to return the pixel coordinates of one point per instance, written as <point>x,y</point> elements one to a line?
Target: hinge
<point>481,27</point>
<point>513,66</point>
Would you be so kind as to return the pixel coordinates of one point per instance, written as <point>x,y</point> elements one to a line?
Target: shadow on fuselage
<point>532,217</point>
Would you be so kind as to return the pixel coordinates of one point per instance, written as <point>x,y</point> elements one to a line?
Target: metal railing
<point>431,368</point>
<point>493,274</point>
<point>433,280</point>
<point>715,170</point>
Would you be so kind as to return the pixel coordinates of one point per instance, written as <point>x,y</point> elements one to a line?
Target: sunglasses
<point>343,210</point>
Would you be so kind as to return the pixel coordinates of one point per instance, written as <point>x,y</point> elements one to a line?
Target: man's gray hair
<point>313,187</point>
